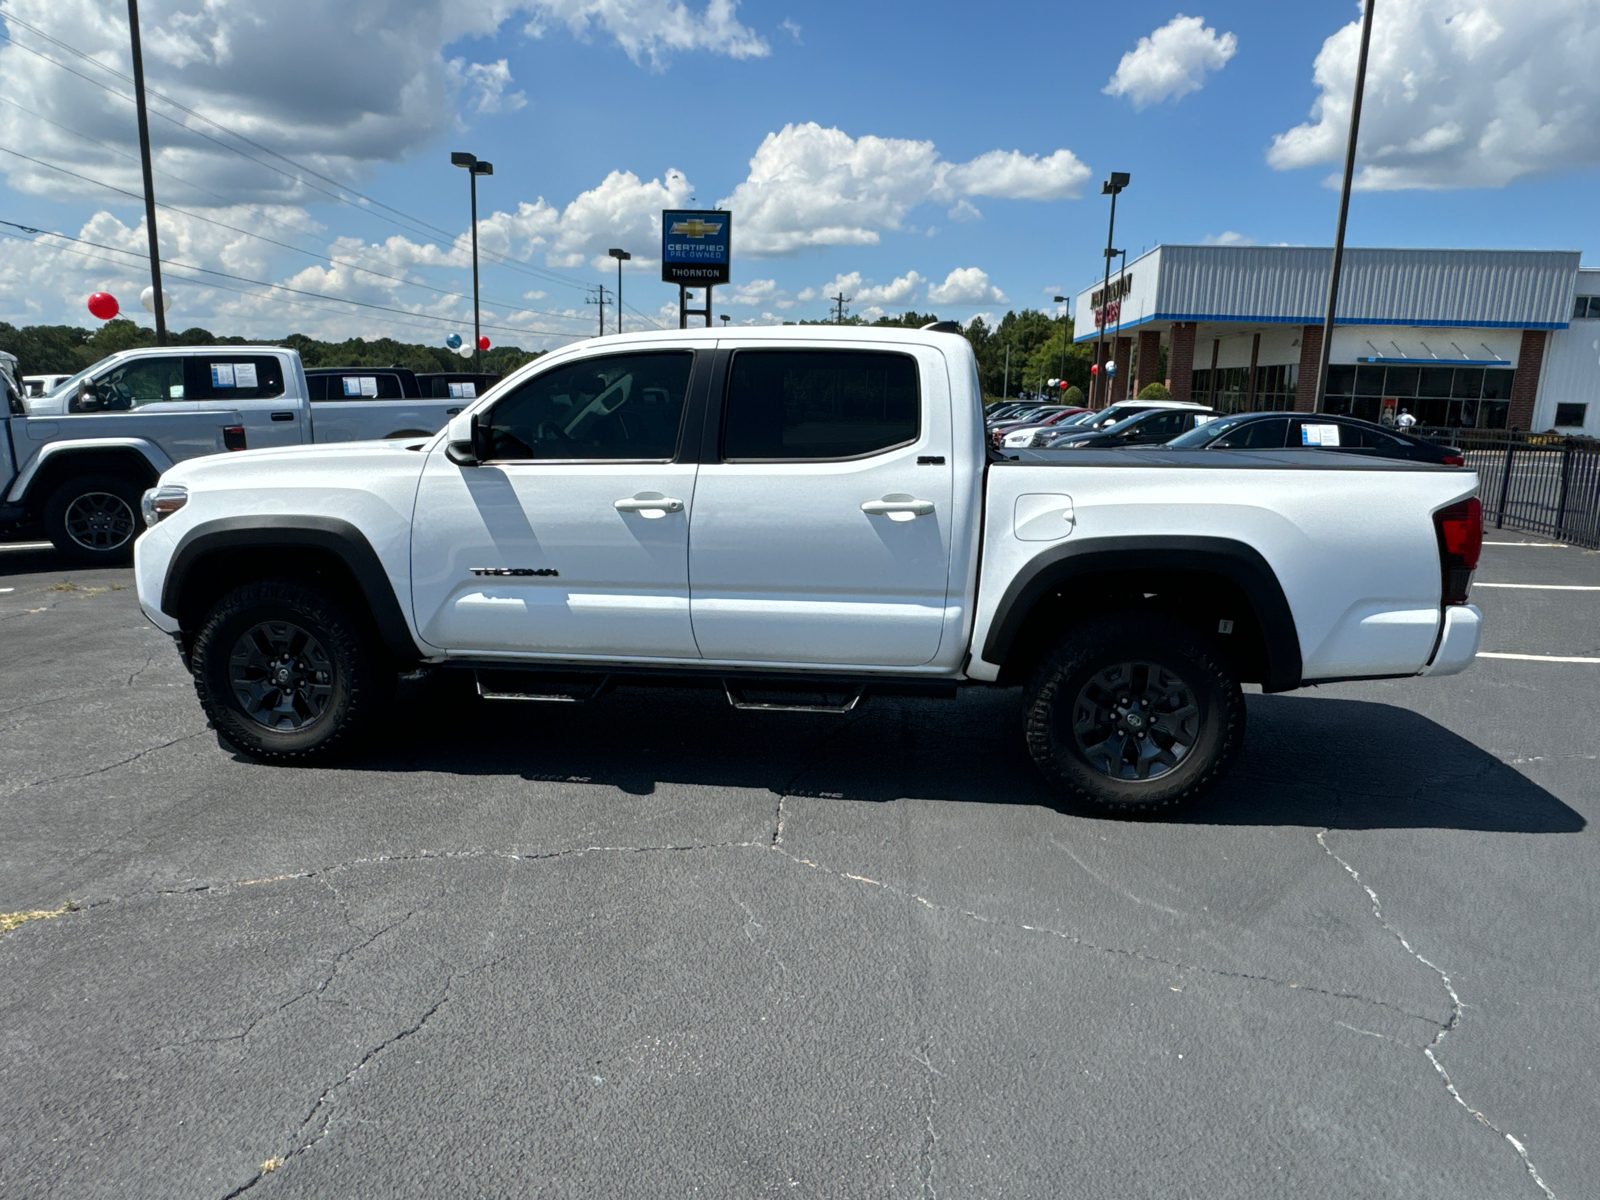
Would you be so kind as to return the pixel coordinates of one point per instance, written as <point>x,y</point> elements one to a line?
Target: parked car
<point>1318,431</point>
<point>635,510</point>
<point>1153,427</point>
<point>1012,412</point>
<point>456,385</point>
<point>1022,435</point>
<point>41,385</point>
<point>1039,418</point>
<point>131,416</point>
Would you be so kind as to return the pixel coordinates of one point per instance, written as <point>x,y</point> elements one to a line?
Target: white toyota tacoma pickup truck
<point>802,516</point>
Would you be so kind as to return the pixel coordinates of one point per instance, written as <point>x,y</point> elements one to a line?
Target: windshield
<point>1204,435</point>
<point>1079,418</point>
<point>72,381</point>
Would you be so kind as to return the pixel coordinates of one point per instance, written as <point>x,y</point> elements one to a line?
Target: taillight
<point>1453,458</point>
<point>233,437</point>
<point>1460,531</point>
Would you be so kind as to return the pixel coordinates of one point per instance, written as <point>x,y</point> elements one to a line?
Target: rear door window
<point>1254,435</point>
<point>234,377</point>
<point>810,405</point>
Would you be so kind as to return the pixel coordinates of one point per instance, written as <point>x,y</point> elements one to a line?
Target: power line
<point>284,287</point>
<point>283,245</point>
<point>418,226</point>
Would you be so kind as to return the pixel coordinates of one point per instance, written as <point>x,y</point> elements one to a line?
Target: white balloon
<point>148,299</point>
<point>465,351</point>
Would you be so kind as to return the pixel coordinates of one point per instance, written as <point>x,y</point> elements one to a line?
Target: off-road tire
<point>361,676</point>
<point>77,514</point>
<point>1061,693</point>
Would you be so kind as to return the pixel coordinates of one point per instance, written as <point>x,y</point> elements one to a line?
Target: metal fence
<point>1539,483</point>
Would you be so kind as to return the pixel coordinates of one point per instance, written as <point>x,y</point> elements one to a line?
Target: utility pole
<point>1005,388</point>
<point>144,163</point>
<point>600,299</point>
<point>1111,187</point>
<point>1320,396</point>
<point>621,256</point>
<point>1063,371</point>
<point>839,302</point>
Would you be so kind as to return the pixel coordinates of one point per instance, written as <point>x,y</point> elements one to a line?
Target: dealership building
<point>1489,339</point>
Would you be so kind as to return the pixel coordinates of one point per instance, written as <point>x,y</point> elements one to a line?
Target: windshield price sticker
<point>222,375</point>
<point>244,375</point>
<point>1319,435</point>
<point>361,385</point>
<point>464,391</point>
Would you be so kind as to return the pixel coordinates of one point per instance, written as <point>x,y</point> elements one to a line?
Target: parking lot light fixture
<point>474,166</point>
<point>1063,300</point>
<point>621,256</point>
<point>1112,187</point>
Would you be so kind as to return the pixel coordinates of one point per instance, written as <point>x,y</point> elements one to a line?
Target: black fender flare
<point>1240,564</point>
<point>271,531</point>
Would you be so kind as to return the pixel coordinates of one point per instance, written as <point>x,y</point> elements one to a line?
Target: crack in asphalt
<point>121,762</point>
<point>1456,1010</point>
<point>150,658</point>
<point>930,1142</point>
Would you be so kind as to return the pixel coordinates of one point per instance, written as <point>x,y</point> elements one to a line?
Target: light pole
<point>1320,396</point>
<point>1111,187</point>
<point>475,167</point>
<point>1063,372</point>
<point>621,256</point>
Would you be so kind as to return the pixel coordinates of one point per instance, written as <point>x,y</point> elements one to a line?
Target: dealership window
<point>1275,387</point>
<point>1443,397</point>
<point>1570,416</point>
<point>1585,306</point>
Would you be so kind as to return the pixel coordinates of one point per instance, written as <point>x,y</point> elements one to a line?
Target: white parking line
<point>1539,657</point>
<point>26,546</point>
<point>1548,545</point>
<point>3,590</point>
<point>1545,587</point>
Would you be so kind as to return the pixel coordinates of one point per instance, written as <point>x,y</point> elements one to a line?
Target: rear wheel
<point>94,519</point>
<point>287,673</point>
<point>1134,712</point>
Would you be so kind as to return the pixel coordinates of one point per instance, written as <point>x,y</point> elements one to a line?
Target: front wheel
<point>286,672</point>
<point>93,519</point>
<point>1134,712</point>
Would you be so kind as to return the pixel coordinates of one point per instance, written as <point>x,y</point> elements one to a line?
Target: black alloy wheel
<point>288,671</point>
<point>1135,712</point>
<point>281,676</point>
<point>93,520</point>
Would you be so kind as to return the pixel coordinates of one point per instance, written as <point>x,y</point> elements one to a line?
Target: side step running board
<point>539,686</point>
<point>739,699</point>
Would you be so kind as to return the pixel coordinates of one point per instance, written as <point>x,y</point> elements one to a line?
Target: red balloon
<point>1094,368</point>
<point>103,305</point>
<point>483,342</point>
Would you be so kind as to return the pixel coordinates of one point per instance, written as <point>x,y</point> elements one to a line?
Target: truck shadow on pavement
<point>1307,761</point>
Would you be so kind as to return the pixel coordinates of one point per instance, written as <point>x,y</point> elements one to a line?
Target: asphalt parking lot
<point>654,946</point>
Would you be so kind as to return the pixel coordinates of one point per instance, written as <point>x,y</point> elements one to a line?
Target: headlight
<point>161,502</point>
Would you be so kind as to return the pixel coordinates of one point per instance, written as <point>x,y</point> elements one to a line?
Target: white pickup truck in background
<point>111,430</point>
<point>803,516</point>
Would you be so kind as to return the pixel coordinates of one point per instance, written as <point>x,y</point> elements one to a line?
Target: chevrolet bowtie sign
<point>695,247</point>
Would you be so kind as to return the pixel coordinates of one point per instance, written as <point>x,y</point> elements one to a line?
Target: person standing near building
<point>1405,420</point>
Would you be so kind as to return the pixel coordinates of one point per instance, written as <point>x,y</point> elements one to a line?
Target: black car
<point>1313,431</point>
<point>354,383</point>
<point>1153,427</point>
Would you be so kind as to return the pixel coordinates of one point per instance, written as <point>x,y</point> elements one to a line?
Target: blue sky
<point>1483,120</point>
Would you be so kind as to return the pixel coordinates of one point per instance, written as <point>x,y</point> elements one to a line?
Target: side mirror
<point>462,440</point>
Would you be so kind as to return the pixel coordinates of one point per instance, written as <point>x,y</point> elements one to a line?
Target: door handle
<point>898,506</point>
<point>650,505</point>
<point>283,416</point>
<point>453,412</point>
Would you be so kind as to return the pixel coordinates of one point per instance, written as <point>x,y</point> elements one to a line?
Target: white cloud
<point>1227,238</point>
<point>1459,93</point>
<point>810,186</point>
<point>964,210</point>
<point>1171,62</point>
<point>966,285</point>
<point>792,28</point>
<point>898,292</point>
<point>651,29</point>
<point>484,85</point>
<point>753,294</point>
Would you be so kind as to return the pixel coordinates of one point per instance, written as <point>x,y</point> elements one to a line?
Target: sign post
<point>695,245</point>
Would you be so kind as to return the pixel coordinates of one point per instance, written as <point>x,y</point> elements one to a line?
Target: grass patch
<point>66,585</point>
<point>10,920</point>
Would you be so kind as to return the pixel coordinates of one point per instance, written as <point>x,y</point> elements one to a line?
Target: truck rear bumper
<point>1463,623</point>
